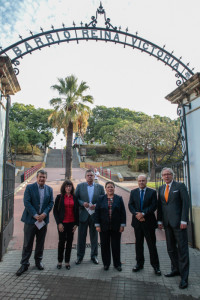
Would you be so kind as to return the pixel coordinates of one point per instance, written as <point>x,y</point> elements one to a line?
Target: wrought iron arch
<point>90,31</point>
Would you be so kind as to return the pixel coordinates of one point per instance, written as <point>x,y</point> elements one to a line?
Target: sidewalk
<point>89,281</point>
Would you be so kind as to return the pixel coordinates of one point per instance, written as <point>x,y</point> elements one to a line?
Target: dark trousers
<point>149,233</point>
<point>30,231</point>
<point>82,234</point>
<point>65,237</point>
<point>110,241</point>
<point>177,247</point>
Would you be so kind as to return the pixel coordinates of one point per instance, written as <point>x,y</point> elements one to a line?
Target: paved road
<point>89,281</point>
<point>55,179</point>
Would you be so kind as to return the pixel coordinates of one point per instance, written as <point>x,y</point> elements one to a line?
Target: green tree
<point>156,135</point>
<point>18,136</point>
<point>67,110</point>
<point>129,152</point>
<point>104,120</point>
<point>27,117</point>
<point>33,138</point>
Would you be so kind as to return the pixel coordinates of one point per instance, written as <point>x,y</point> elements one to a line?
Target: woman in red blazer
<point>66,214</point>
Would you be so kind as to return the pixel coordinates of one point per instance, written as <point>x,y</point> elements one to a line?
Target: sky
<point>117,76</point>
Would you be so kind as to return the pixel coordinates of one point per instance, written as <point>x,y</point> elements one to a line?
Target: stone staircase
<point>56,159</point>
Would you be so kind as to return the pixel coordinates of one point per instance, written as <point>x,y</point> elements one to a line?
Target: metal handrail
<point>31,171</point>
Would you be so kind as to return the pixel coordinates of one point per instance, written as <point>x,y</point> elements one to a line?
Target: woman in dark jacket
<point>110,220</point>
<point>66,214</point>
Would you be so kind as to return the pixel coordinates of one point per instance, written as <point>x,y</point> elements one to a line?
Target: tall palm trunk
<point>68,166</point>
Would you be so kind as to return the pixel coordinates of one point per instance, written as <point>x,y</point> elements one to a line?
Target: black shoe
<point>40,266</point>
<point>172,274</point>
<point>157,271</point>
<point>59,266</point>
<point>119,268</point>
<point>21,270</point>
<point>137,268</point>
<point>78,261</point>
<point>68,267</point>
<point>95,260</point>
<point>183,284</point>
<point>106,268</point>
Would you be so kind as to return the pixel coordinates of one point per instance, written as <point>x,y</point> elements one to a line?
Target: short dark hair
<point>109,182</point>
<point>63,186</point>
<point>42,172</point>
<point>89,171</point>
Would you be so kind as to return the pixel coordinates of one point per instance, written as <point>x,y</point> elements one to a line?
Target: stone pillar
<point>8,86</point>
<point>187,96</point>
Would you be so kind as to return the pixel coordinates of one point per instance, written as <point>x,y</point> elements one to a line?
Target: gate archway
<point>90,31</point>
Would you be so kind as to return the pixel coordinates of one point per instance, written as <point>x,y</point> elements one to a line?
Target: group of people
<point>104,213</point>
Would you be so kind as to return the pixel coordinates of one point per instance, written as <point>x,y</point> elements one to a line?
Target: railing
<point>104,172</point>
<point>31,171</point>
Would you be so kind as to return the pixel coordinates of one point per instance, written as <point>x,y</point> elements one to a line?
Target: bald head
<point>142,181</point>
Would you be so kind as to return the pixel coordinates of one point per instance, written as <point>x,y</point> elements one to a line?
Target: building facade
<point>187,96</point>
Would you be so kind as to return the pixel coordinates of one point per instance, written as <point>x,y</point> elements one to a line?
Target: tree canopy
<point>133,132</point>
<point>29,125</point>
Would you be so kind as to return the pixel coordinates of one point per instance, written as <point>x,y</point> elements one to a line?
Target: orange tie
<point>167,192</point>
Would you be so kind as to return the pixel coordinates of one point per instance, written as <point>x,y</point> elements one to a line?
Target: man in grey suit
<point>38,202</point>
<point>87,194</point>
<point>173,214</point>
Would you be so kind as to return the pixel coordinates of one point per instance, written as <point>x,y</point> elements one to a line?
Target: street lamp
<point>149,167</point>
<point>61,151</point>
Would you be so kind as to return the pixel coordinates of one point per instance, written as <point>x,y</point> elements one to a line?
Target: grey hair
<point>143,176</point>
<point>167,169</point>
<point>42,172</point>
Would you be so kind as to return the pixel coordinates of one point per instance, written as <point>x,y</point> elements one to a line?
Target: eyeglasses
<point>167,174</point>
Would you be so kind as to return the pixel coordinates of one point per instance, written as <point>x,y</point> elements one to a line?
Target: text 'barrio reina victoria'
<point>77,34</point>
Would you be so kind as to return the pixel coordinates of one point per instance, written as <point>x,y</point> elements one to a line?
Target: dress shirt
<point>41,194</point>
<point>69,209</point>
<point>143,195</point>
<point>90,189</point>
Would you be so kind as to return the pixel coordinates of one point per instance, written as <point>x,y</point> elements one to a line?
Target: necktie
<point>167,192</point>
<point>141,198</point>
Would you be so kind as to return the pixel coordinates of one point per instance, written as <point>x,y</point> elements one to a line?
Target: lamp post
<point>149,166</point>
<point>61,151</point>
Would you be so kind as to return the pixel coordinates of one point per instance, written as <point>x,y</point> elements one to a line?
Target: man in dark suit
<point>142,204</point>
<point>173,214</point>
<point>87,194</point>
<point>38,202</point>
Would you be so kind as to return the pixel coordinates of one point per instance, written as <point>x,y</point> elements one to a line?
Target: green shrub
<point>92,153</point>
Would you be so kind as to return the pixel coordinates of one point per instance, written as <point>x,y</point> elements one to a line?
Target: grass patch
<point>153,185</point>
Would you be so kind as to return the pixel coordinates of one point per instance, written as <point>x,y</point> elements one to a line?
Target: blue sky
<point>116,76</point>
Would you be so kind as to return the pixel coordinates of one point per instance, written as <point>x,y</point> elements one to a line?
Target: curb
<point>123,188</point>
<point>23,184</point>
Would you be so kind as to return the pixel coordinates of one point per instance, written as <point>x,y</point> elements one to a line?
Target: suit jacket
<point>177,208</point>
<point>118,216</point>
<point>149,207</point>
<point>32,203</point>
<point>82,196</point>
<point>59,210</point>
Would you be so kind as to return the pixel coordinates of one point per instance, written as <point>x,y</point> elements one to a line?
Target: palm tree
<point>67,111</point>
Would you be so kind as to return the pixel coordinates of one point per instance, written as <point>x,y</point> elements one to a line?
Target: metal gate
<point>7,212</point>
<point>7,224</point>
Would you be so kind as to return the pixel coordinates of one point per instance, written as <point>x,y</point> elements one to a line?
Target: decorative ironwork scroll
<point>90,31</point>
